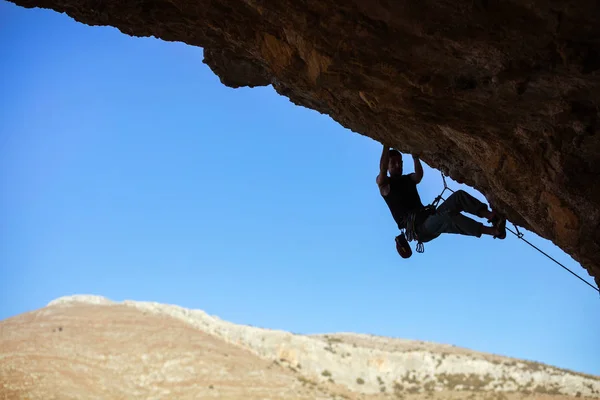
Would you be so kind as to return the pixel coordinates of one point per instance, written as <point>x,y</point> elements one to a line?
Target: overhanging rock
<point>502,96</point>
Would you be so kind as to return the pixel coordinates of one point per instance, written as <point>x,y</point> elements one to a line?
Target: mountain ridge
<point>327,364</point>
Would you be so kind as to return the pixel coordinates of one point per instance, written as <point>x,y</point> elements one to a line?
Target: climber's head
<point>395,163</point>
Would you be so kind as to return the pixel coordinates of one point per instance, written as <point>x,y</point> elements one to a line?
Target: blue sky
<point>128,170</point>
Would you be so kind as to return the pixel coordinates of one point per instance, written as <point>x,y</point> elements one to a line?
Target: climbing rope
<point>438,198</point>
<point>519,235</point>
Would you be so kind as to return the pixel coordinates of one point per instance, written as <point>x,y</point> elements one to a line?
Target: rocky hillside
<point>87,347</point>
<point>501,95</point>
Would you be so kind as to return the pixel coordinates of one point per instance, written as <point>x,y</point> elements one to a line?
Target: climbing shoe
<point>499,223</point>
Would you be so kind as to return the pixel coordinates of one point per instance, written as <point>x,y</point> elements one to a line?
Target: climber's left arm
<point>418,174</point>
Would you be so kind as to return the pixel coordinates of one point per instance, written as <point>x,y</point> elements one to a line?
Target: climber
<point>427,223</point>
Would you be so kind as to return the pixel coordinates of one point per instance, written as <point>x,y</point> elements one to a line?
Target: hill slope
<point>87,347</point>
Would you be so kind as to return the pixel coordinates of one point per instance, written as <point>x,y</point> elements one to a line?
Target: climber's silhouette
<point>425,223</point>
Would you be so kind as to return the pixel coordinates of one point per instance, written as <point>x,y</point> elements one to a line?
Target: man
<point>400,194</point>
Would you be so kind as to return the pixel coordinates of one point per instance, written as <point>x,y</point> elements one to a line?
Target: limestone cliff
<point>503,96</point>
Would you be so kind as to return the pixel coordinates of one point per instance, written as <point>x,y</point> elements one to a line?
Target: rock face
<point>502,96</point>
<point>86,347</point>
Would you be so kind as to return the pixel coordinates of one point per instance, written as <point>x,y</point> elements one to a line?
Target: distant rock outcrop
<point>89,347</point>
<point>501,95</point>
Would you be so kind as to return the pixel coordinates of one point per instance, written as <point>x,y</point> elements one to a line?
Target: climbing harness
<point>410,231</point>
<point>410,235</point>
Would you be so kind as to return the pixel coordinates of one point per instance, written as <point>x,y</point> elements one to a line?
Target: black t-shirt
<point>402,198</point>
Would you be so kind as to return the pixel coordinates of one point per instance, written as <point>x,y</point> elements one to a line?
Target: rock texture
<point>501,95</point>
<point>86,347</point>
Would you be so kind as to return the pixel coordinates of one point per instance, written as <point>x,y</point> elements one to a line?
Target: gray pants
<point>448,217</point>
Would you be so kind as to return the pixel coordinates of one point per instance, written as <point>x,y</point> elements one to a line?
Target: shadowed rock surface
<point>87,347</point>
<point>502,96</point>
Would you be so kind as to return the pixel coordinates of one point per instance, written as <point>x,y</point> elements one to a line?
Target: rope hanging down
<point>519,235</point>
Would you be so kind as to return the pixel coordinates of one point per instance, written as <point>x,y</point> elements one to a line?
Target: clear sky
<point>127,170</point>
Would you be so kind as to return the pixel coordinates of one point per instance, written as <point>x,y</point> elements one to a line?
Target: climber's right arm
<point>382,178</point>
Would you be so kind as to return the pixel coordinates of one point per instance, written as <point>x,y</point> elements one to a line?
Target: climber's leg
<point>458,223</point>
<point>446,222</point>
<point>462,201</point>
